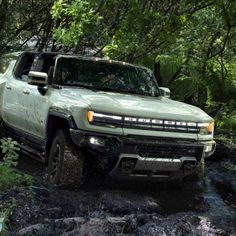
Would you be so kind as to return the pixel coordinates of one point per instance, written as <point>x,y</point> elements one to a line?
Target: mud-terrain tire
<point>65,163</point>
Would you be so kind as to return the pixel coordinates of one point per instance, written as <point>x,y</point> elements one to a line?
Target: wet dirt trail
<point>114,207</point>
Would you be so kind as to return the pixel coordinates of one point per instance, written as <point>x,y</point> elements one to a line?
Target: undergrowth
<point>9,177</point>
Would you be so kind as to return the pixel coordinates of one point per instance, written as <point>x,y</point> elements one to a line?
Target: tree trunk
<point>157,72</point>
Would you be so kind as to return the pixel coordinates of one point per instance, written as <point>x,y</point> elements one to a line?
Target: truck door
<point>35,105</point>
<point>12,106</point>
<point>34,111</point>
<point>23,105</point>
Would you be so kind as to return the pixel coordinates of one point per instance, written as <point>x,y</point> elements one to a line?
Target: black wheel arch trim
<point>59,115</point>
<point>55,112</point>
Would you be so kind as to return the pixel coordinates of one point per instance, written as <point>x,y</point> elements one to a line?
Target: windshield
<point>104,76</point>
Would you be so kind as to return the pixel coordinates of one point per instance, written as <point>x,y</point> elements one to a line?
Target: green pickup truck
<point>79,113</point>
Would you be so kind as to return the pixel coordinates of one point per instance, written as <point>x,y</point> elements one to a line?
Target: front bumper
<point>144,156</point>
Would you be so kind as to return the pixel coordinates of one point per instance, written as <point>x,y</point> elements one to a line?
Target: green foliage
<point>120,29</point>
<point>9,149</point>
<point>83,21</point>
<point>21,22</point>
<point>189,39</point>
<point>5,213</point>
<point>3,218</point>
<point>9,177</point>
<point>194,41</point>
<point>226,117</point>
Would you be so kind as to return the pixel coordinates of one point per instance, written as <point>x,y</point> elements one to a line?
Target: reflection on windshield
<point>105,76</point>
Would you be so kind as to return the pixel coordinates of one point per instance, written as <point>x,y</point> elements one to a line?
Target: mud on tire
<point>66,162</point>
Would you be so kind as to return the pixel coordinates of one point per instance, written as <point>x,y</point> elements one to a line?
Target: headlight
<point>100,117</point>
<point>90,115</point>
<point>206,128</point>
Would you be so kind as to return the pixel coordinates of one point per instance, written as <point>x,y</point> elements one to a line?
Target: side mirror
<point>165,92</point>
<point>37,78</point>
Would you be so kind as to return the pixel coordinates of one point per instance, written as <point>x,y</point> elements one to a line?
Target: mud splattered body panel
<point>131,118</point>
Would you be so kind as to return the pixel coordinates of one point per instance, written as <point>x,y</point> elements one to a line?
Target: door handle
<point>8,87</point>
<point>26,92</point>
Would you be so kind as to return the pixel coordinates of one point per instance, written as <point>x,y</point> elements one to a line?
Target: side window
<point>45,63</point>
<point>23,66</point>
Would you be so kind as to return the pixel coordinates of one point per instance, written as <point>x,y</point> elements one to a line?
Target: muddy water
<point>220,194</point>
<point>108,207</point>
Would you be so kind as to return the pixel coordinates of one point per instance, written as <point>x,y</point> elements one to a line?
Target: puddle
<point>128,208</point>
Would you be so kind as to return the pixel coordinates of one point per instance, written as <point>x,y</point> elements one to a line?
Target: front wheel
<point>65,165</point>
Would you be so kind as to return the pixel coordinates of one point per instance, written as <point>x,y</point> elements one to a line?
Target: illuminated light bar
<point>181,123</point>
<point>131,119</point>
<point>211,127</point>
<point>203,124</point>
<point>191,124</point>
<point>144,120</point>
<point>114,117</point>
<point>90,115</point>
<point>97,118</point>
<point>157,122</point>
<point>169,122</point>
<point>207,126</point>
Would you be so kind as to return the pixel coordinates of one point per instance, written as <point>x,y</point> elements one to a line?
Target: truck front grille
<point>163,151</point>
<point>147,124</point>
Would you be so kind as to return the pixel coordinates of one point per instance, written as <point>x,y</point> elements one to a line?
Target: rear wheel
<point>66,162</point>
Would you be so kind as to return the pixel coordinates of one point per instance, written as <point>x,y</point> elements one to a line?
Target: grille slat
<point>162,151</point>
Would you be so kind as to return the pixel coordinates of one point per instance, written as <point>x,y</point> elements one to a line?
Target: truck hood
<point>136,105</point>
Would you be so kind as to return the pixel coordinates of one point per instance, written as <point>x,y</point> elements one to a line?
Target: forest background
<point>190,45</point>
